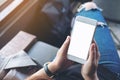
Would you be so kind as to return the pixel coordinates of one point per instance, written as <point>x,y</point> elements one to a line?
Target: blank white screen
<point>81,39</point>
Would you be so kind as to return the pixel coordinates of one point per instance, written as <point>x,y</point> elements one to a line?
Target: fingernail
<point>67,37</point>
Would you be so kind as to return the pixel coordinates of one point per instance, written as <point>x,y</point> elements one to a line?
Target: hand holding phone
<point>81,38</point>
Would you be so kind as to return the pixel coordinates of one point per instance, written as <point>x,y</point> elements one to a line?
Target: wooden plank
<point>22,41</point>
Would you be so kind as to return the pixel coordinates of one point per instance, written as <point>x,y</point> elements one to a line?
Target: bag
<point>17,67</point>
<point>21,65</point>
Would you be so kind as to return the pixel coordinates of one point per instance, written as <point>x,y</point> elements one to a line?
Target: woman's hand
<point>58,64</point>
<point>89,69</point>
<point>61,62</point>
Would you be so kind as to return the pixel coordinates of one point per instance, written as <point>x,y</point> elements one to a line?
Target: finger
<point>98,56</point>
<point>92,51</point>
<point>93,41</point>
<point>97,52</point>
<point>65,45</point>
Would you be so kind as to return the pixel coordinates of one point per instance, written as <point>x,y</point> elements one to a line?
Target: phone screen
<point>81,38</point>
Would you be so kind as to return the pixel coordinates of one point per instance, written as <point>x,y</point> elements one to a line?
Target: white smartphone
<point>81,38</point>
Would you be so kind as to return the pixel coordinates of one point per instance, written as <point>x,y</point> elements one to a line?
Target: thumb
<point>65,45</point>
<point>92,53</point>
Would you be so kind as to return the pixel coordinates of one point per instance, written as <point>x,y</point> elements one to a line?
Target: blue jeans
<point>109,57</point>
